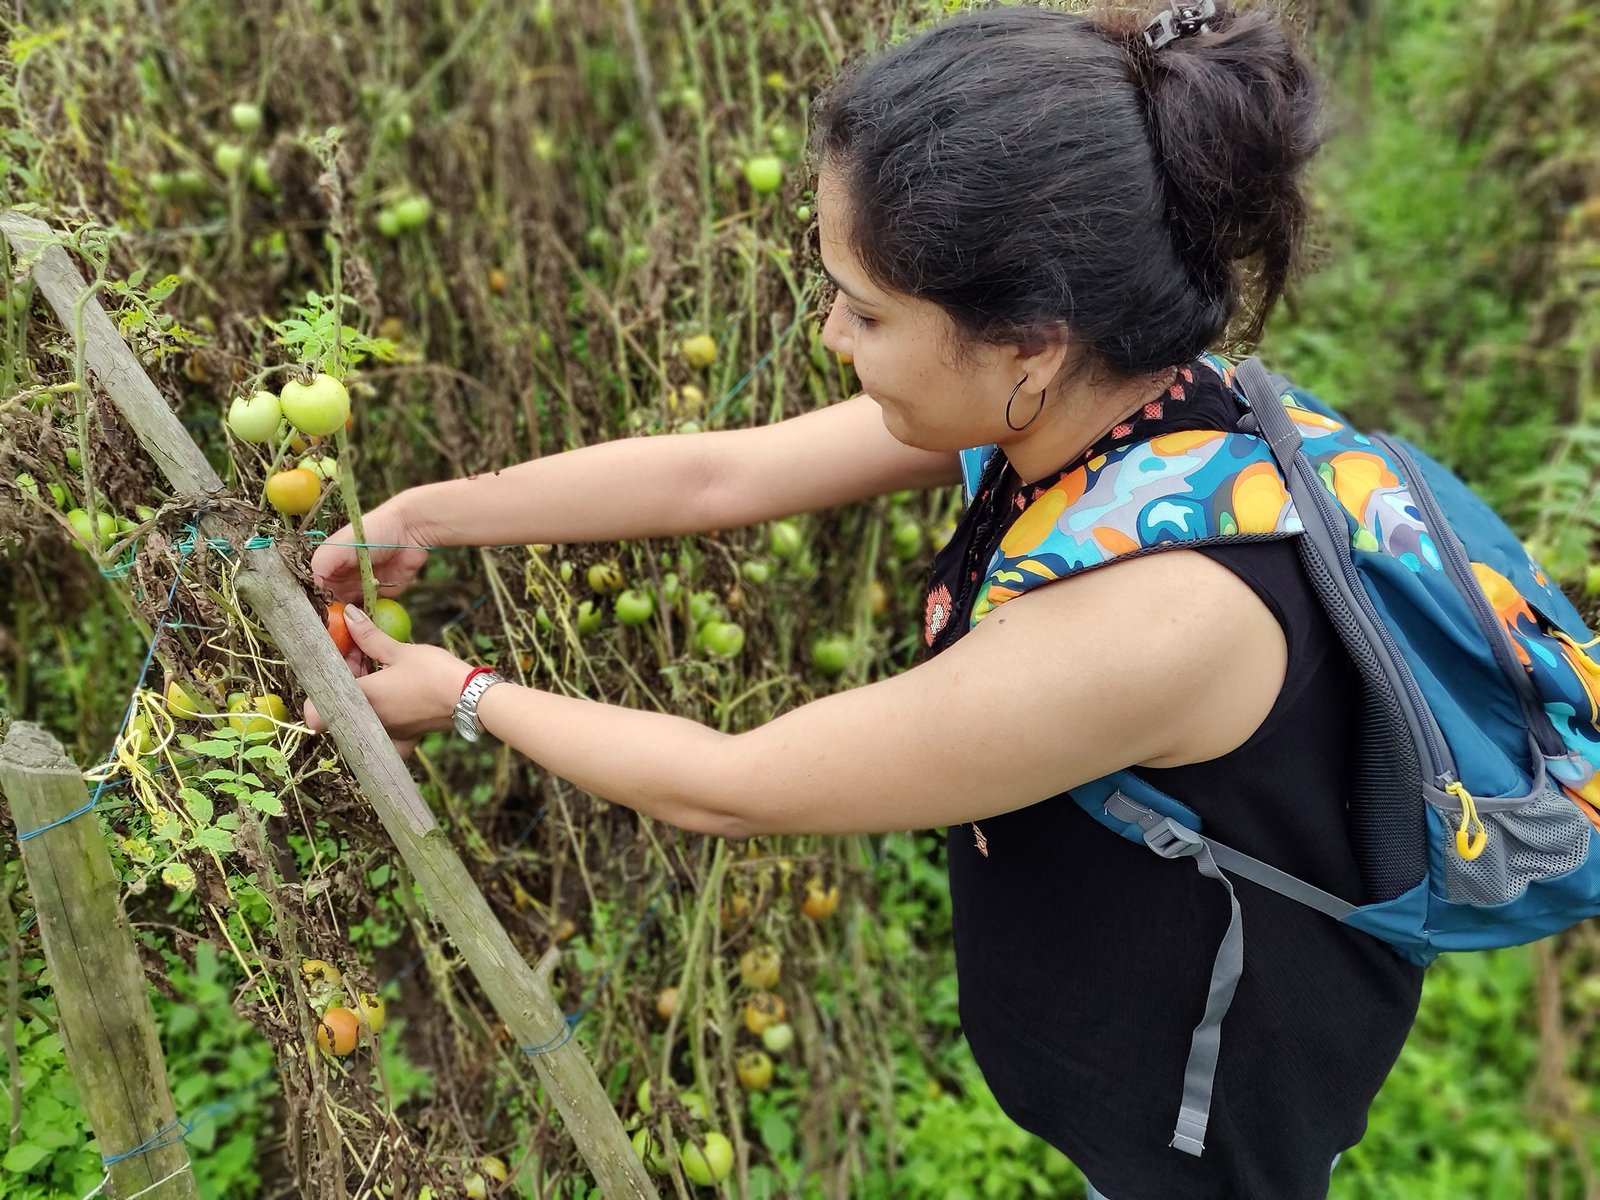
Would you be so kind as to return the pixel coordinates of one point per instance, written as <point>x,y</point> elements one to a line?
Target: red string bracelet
<point>473,674</point>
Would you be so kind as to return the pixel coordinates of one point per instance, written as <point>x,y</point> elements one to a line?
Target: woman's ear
<point>1045,359</point>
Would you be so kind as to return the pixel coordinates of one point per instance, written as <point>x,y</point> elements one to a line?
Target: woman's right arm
<point>640,487</point>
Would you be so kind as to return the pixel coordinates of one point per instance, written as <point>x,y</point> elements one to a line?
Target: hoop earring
<point>1009,402</point>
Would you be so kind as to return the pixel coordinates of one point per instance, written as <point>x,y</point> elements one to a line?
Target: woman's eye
<point>857,319</point>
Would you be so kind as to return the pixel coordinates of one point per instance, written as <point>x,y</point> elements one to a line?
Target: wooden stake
<point>102,996</point>
<point>522,1000</point>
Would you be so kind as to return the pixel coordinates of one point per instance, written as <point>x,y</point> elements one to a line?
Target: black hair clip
<point>1179,21</point>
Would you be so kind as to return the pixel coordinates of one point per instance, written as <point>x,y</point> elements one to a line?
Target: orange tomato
<point>667,1003</point>
<point>338,630</point>
<point>294,492</point>
<point>339,1031</point>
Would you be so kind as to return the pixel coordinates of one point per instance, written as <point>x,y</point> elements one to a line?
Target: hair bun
<point>1233,116</point>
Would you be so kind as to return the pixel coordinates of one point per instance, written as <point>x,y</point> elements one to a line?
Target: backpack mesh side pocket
<point>1388,830</point>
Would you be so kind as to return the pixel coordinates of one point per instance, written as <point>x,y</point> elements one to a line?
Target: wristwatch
<point>465,716</point>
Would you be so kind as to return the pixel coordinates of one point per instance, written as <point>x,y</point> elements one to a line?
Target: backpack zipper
<point>1439,759</point>
<point>1459,568</point>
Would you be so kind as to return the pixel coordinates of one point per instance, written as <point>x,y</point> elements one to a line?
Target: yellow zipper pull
<point>1468,847</point>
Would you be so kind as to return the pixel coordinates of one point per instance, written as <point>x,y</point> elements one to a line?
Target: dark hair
<point>1024,168</point>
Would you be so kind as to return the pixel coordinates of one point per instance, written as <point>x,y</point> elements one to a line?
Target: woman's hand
<point>413,691</point>
<point>334,564</point>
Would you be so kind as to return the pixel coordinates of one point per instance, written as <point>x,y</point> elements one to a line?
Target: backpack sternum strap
<point>1171,839</point>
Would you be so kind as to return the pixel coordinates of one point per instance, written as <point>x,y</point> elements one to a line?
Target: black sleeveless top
<point>1084,959</point>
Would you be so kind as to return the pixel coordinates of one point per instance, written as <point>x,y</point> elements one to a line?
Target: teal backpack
<point>1475,816</point>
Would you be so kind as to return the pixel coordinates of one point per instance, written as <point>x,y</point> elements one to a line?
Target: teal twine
<point>127,714</point>
<point>570,1022</point>
<point>169,1134</point>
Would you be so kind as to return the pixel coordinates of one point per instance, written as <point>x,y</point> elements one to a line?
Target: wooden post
<point>521,997</point>
<point>102,996</point>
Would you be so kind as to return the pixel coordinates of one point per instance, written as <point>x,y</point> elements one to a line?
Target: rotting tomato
<point>339,1031</point>
<point>372,1010</point>
<point>760,967</point>
<point>821,900</point>
<point>764,1009</point>
<point>755,1070</point>
<point>606,578</point>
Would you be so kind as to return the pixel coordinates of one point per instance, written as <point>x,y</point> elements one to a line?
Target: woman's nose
<point>835,330</point>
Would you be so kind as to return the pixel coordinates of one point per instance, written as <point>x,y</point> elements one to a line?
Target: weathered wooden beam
<point>522,1000</point>
<point>102,997</point>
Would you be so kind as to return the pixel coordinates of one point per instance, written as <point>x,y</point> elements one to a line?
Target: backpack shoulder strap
<point>1188,488</point>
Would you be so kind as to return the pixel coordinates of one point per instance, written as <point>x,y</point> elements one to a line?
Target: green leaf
<point>164,288</point>
<point>214,747</point>
<point>212,838</point>
<point>266,803</point>
<point>199,805</point>
<point>25,1157</point>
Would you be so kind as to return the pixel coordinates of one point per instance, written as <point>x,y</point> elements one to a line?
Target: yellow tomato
<point>372,1011</point>
<point>294,492</point>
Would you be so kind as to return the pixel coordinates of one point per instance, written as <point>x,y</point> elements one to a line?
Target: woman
<point>1038,223</point>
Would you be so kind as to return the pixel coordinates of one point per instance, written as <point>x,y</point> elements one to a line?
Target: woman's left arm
<point>1168,655</point>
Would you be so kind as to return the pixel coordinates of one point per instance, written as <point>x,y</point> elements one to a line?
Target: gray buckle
<point>1178,21</point>
<point>1171,840</point>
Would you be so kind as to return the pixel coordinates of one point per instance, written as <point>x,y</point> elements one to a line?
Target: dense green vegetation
<point>503,221</point>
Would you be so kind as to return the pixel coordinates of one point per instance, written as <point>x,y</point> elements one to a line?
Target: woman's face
<point>901,349</point>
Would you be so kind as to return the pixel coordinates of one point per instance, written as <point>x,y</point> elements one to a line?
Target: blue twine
<point>167,1135</point>
<point>570,1022</point>
<point>127,714</point>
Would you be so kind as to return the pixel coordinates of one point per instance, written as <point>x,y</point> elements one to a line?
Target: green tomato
<point>671,589</point>
<point>260,174</point>
<point>388,223</point>
<point>413,212</point>
<point>60,495</point>
<point>590,618</point>
<point>27,484</point>
<point>802,213</point>
<point>246,117</point>
<point>391,617</point>
<point>79,520</point>
<point>324,467</point>
<point>722,638</point>
<point>907,539</point>
<point>831,654</point>
<point>163,183</point>
<point>190,181</point>
<point>650,1151</point>
<point>703,607</point>
<point>317,408</point>
<point>567,571</point>
<point>756,570</point>
<point>255,418</point>
<point>228,156</point>
<point>74,458</point>
<point>778,1038</point>
<point>787,540</point>
<point>635,607</point>
<point>543,619</point>
<point>764,174</point>
<point>708,1165</point>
